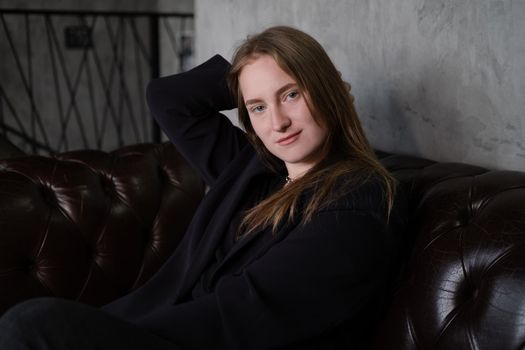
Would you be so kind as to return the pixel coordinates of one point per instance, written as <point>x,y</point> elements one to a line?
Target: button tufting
<point>464,217</point>
<point>30,266</point>
<point>107,185</point>
<point>466,292</point>
<point>48,194</point>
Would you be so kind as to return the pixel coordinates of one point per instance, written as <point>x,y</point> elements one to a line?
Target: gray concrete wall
<point>443,79</point>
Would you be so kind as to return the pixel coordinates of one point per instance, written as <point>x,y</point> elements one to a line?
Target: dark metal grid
<point>94,96</point>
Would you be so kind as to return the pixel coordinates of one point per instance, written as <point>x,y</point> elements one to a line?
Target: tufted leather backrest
<point>89,225</point>
<point>464,285</point>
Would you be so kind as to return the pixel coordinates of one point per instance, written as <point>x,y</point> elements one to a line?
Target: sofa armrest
<point>465,276</point>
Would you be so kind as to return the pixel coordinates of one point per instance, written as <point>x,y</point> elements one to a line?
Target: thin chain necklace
<point>288,180</point>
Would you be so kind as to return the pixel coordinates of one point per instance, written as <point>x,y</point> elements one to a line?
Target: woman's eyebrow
<point>277,93</point>
<point>284,88</point>
<point>252,101</point>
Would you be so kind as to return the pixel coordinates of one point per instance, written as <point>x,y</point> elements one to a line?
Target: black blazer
<point>313,285</point>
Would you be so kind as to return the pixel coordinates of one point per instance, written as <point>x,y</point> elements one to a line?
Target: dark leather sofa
<point>92,226</point>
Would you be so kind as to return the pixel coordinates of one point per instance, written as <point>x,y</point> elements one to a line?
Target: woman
<point>290,247</point>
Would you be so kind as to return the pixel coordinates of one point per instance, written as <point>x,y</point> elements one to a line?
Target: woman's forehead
<point>263,75</point>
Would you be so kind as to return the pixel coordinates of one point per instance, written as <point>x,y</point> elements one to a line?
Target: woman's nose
<point>280,120</point>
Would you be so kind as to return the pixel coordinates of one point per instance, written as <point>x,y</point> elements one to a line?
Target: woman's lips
<point>289,139</point>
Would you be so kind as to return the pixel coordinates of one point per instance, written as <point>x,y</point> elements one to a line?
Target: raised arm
<point>187,106</point>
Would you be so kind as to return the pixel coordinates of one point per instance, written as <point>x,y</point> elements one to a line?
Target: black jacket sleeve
<point>187,105</point>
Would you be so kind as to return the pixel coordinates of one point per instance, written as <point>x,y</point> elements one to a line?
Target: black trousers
<point>56,324</point>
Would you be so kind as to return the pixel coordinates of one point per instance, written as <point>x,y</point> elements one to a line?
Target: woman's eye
<point>292,95</point>
<point>257,109</point>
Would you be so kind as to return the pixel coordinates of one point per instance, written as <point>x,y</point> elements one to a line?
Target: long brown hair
<point>350,161</point>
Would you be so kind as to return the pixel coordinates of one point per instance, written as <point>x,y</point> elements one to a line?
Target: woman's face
<point>280,115</point>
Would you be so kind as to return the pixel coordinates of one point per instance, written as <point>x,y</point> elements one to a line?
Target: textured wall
<point>443,79</point>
